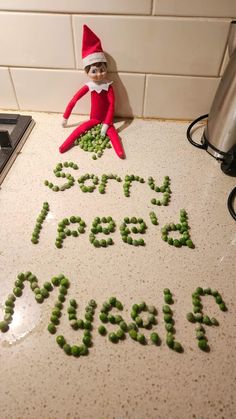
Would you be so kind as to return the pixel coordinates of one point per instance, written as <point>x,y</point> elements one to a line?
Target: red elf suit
<point>102,98</point>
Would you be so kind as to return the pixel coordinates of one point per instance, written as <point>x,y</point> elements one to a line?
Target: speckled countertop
<point>124,380</point>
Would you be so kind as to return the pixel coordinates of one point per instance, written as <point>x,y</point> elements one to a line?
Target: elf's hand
<point>104,130</point>
<point>64,122</point>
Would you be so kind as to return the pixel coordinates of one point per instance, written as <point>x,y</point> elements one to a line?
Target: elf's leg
<point>76,133</point>
<point>116,141</point>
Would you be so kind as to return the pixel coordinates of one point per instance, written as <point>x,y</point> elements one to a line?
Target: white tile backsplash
<point>210,8</point>
<point>36,40</point>
<point>7,95</point>
<point>51,90</point>
<point>178,97</point>
<point>158,45</point>
<point>157,61</point>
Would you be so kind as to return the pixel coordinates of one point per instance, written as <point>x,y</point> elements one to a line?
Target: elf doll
<point>102,95</point>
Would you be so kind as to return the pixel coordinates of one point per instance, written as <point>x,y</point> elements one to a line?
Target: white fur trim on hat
<point>97,57</point>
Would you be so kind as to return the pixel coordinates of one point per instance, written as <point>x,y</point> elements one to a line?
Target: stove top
<point>14,130</point>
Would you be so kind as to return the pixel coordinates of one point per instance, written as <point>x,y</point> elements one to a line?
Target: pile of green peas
<point>169,322</point>
<point>97,228</point>
<point>63,230</point>
<point>165,189</point>
<point>182,227</point>
<point>128,182</point>
<point>39,221</point>
<point>125,230</point>
<point>198,317</point>
<point>93,142</point>
<point>58,173</point>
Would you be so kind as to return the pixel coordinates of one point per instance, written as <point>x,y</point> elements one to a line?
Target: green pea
<point>202,344</point>
<point>92,303</point>
<point>168,298</point>
<point>56,311</point>
<point>151,309</point>
<point>139,321</point>
<point>170,341</point>
<point>112,301</point>
<point>9,310</point>
<point>74,324</point>
<point>141,338</point>
<point>61,298</point>
<point>89,316</point>
<point>102,330</point>
<point>113,337</point>
<point>206,320</point>
<point>80,323</point>
<point>75,351</point>
<point>142,306</point>
<point>169,327</point>
<point>214,321</point>
<point>167,291</point>
<point>199,290</point>
<point>87,341</point>
<point>103,317</point>
<point>63,290</point>
<point>223,307</point>
<point>11,297</point>
<point>111,318</point>
<point>73,303</point>
<point>52,328</point>
<point>39,298</point>
<point>166,309</point>
<point>4,326</point>
<point>88,325</point>
<point>60,340</point>
<point>123,326</point>
<point>177,347</point>
<point>119,305</point>
<point>54,319</point>
<point>65,283</point>
<point>133,334</point>
<point>9,302</point>
<point>48,286</point>
<point>120,334</point>
<point>191,317</point>
<point>168,318</point>
<point>190,244</point>
<point>200,334</point>
<point>17,291</point>
<point>44,293</point>
<point>199,317</point>
<point>155,338</point>
<point>67,348</point>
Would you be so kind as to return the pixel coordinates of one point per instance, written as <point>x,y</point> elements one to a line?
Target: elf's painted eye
<point>93,70</point>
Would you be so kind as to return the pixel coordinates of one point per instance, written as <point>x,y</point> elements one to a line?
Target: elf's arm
<point>73,101</point>
<point>110,112</point>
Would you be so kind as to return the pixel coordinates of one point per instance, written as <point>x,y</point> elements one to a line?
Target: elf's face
<point>97,72</point>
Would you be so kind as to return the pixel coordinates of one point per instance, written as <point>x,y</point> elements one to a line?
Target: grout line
<point>110,14</point>
<point>224,55</point>
<point>152,8</point>
<point>73,41</point>
<point>14,89</point>
<point>144,94</point>
<point>141,73</point>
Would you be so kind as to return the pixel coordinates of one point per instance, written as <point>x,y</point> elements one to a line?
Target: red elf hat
<point>92,51</point>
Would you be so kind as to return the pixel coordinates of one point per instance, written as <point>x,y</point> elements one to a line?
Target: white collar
<point>98,87</point>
